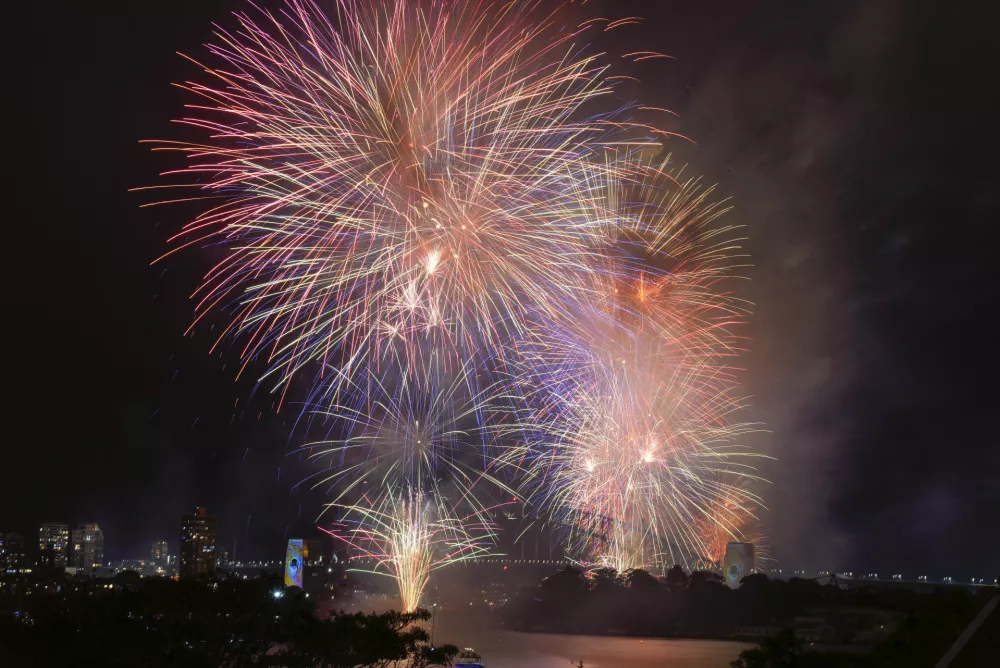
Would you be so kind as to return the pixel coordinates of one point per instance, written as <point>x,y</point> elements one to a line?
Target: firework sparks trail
<point>397,178</point>
<point>407,476</point>
<point>395,433</point>
<point>734,519</point>
<point>407,536</point>
<point>631,419</point>
<point>629,458</point>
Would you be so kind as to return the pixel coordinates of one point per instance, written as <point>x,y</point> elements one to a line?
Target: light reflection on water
<point>507,649</point>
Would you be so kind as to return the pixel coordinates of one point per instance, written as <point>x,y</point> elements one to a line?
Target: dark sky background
<point>857,139</point>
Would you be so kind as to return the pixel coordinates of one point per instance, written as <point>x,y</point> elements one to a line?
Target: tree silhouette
<point>677,579</point>
<point>159,622</point>
<point>641,581</point>
<point>699,578</point>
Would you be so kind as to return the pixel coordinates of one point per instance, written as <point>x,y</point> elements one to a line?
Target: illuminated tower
<point>197,544</point>
<point>88,546</point>
<point>54,537</point>
<point>738,563</point>
<point>158,554</point>
<point>12,555</point>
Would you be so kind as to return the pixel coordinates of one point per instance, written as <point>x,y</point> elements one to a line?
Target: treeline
<point>637,603</point>
<point>160,622</point>
<point>695,605</point>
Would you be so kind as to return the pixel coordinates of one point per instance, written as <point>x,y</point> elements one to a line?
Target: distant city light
<point>277,593</point>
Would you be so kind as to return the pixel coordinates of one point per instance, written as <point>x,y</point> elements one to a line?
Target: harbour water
<point>507,649</point>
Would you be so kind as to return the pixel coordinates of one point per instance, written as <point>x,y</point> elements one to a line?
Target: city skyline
<point>198,540</point>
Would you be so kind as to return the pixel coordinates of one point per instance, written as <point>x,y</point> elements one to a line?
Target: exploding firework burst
<point>665,278</point>
<point>628,456</point>
<point>407,475</point>
<point>407,536</point>
<point>392,433</point>
<point>734,519</point>
<point>397,180</point>
<point>632,420</point>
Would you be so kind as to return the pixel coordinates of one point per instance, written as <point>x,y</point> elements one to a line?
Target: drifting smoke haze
<point>831,128</point>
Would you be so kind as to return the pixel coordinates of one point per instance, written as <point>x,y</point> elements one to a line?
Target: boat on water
<point>468,658</point>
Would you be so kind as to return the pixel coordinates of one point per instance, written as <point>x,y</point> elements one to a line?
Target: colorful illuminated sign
<point>294,563</point>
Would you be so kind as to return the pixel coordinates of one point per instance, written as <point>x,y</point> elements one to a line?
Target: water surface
<point>508,649</point>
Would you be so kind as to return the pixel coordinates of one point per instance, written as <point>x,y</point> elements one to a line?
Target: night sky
<point>857,140</point>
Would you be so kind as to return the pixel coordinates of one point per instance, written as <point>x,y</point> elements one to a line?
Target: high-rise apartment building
<point>197,544</point>
<point>159,555</point>
<point>53,537</point>
<point>88,547</point>
<point>12,554</point>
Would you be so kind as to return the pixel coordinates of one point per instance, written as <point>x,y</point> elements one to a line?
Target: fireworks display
<point>630,421</point>
<point>407,536</point>
<point>393,179</point>
<point>629,452</point>
<point>732,520</point>
<point>440,219</point>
